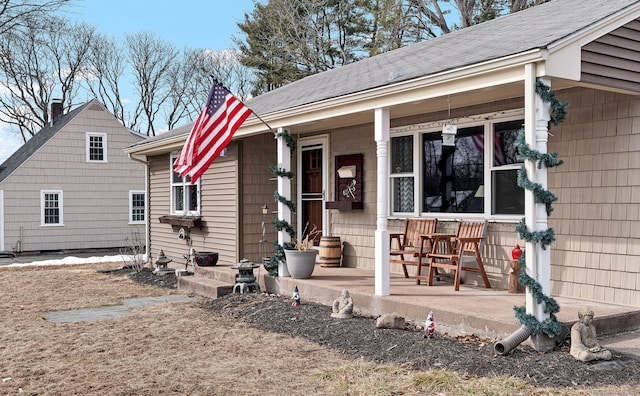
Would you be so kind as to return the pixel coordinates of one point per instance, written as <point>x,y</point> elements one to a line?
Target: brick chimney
<point>56,110</point>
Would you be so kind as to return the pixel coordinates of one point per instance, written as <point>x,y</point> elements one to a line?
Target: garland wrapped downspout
<point>530,324</point>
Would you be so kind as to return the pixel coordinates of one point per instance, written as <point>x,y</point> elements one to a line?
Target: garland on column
<point>550,326</point>
<point>277,223</point>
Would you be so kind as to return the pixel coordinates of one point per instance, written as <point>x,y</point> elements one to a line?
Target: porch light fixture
<point>449,135</point>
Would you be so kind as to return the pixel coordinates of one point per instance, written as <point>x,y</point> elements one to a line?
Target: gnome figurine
<point>429,326</point>
<point>296,297</point>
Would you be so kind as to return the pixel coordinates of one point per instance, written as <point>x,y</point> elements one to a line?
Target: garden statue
<point>584,345</point>
<point>429,326</point>
<point>296,297</point>
<point>343,306</point>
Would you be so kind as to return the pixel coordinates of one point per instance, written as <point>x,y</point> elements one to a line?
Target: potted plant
<point>301,260</point>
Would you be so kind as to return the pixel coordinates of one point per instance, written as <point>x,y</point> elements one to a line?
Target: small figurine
<point>584,342</point>
<point>429,326</point>
<point>343,306</point>
<point>296,297</point>
<point>516,252</point>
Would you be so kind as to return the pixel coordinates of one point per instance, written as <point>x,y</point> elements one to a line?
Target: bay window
<point>481,167</point>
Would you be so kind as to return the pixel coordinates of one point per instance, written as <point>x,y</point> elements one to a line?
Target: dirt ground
<point>251,344</point>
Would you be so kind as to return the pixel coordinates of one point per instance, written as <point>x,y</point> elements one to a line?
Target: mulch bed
<point>359,338</point>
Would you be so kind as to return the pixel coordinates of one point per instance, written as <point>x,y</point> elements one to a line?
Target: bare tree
<point>151,59</point>
<point>16,15</point>
<point>37,65</point>
<point>191,79</point>
<point>108,66</point>
<point>182,76</point>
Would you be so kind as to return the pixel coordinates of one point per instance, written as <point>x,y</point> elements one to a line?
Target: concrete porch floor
<point>487,313</point>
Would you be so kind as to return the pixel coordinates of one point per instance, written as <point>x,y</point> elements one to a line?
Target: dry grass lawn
<point>176,349</point>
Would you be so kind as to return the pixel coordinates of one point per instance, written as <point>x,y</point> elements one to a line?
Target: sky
<point>186,23</point>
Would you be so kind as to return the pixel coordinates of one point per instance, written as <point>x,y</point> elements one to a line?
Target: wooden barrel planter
<point>330,251</point>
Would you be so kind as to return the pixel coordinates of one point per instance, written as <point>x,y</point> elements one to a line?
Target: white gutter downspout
<point>382,273</point>
<point>147,194</point>
<point>538,260</point>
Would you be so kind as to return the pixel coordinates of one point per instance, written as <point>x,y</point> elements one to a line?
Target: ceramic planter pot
<point>301,263</point>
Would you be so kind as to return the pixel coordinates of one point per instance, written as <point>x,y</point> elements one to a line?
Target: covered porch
<point>487,313</point>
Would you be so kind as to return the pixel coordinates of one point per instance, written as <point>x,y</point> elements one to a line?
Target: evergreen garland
<point>288,139</point>
<point>550,326</point>
<point>280,225</point>
<point>280,198</point>
<point>558,109</point>
<point>277,171</point>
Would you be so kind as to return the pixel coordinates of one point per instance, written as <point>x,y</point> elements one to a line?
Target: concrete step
<point>222,274</point>
<point>202,286</point>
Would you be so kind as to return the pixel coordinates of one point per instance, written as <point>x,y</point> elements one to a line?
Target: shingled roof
<point>42,137</point>
<point>533,28</point>
<point>38,140</point>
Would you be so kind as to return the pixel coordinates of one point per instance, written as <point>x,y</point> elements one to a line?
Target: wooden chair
<point>466,248</point>
<point>409,249</point>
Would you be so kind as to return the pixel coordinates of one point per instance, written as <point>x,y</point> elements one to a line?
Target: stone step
<point>202,286</point>
<point>222,274</point>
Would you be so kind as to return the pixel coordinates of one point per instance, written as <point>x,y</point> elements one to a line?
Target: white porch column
<point>382,276</point>
<point>284,189</point>
<point>538,260</point>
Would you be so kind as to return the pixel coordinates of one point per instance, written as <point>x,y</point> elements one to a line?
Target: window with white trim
<point>185,197</point>
<point>51,213</point>
<point>429,177</point>
<point>137,207</point>
<point>96,147</point>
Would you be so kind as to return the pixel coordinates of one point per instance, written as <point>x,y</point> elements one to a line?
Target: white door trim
<point>321,141</point>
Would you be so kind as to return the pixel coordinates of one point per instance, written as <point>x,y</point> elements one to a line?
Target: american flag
<point>498,154</point>
<point>211,133</point>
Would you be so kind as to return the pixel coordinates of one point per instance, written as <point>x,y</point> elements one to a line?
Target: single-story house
<point>387,114</point>
<point>72,187</point>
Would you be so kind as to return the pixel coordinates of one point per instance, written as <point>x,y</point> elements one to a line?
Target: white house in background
<point>71,186</point>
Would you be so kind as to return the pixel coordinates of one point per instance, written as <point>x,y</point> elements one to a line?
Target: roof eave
<point>156,147</point>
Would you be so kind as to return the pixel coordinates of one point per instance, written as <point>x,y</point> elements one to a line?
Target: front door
<point>312,186</point>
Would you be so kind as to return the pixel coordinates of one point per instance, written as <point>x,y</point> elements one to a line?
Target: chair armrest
<point>470,239</point>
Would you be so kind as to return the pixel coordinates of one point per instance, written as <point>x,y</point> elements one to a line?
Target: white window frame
<point>185,184</point>
<point>88,136</point>
<point>60,222</point>
<point>131,207</point>
<point>417,130</point>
